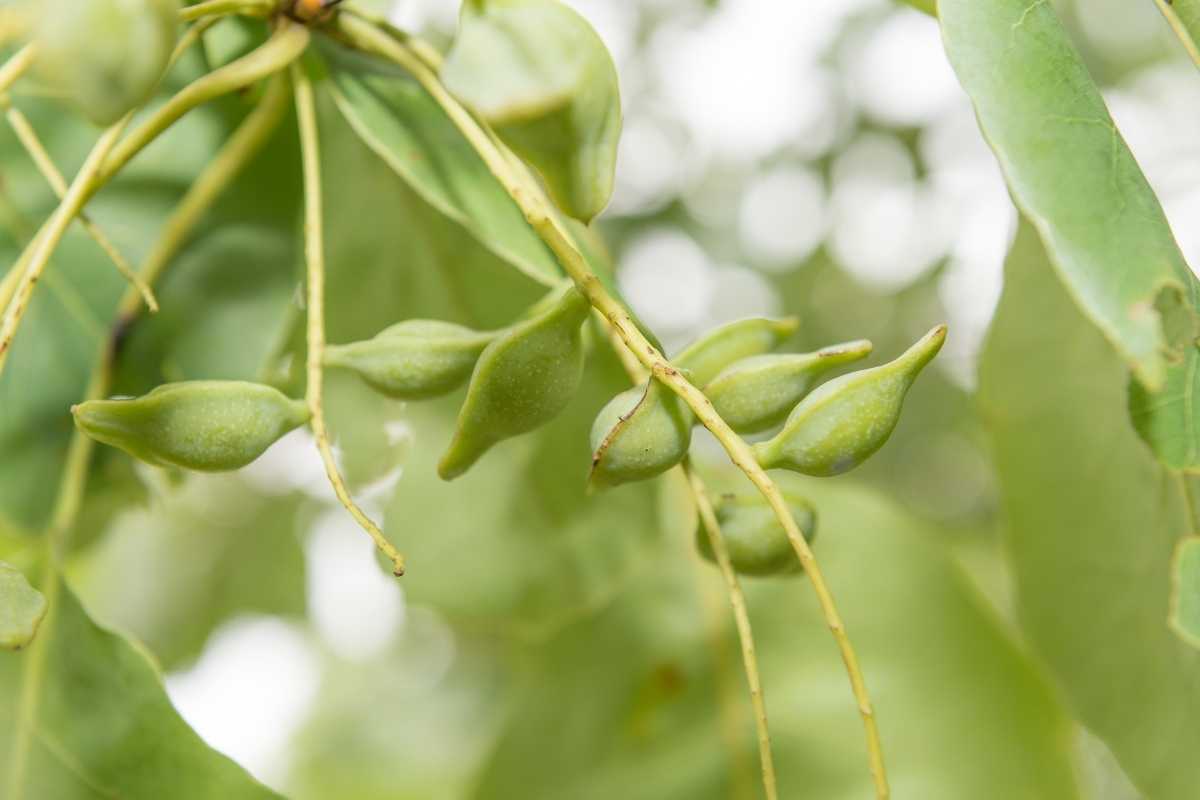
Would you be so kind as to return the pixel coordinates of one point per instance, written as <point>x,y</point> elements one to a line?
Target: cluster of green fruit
<point>522,376</point>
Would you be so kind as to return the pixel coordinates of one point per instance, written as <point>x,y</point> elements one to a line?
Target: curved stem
<point>544,222</point>
<point>17,65</point>
<point>741,616</point>
<point>314,256</point>
<point>28,138</point>
<point>217,8</point>
<point>245,142</point>
<point>285,45</point>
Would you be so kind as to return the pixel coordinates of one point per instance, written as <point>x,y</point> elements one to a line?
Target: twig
<point>314,256</point>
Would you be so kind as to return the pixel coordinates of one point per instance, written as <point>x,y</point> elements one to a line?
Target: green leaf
<point>1072,175</point>
<point>633,704</point>
<point>542,77</point>
<point>1185,592</point>
<point>406,128</point>
<point>21,608</point>
<point>1092,522</point>
<point>100,724</point>
<point>1184,18</point>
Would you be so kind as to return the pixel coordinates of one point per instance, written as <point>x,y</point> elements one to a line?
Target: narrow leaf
<point>1072,175</point>
<point>405,127</point>
<point>1093,521</point>
<point>21,608</point>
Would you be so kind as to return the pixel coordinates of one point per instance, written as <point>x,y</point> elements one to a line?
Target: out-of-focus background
<point>810,158</point>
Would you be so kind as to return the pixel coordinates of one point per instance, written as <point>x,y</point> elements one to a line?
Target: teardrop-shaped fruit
<point>757,544</point>
<point>843,422</point>
<point>757,393</point>
<point>640,433</point>
<point>538,73</point>
<point>211,426</point>
<point>105,55</point>
<point>706,357</point>
<point>523,379</point>
<point>415,359</point>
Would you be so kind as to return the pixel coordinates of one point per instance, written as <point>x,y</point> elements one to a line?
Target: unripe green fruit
<point>640,433</point>
<point>757,544</point>
<point>846,420</point>
<point>211,426</point>
<point>415,359</point>
<point>757,393</point>
<point>523,379</point>
<point>539,74</point>
<point>705,358</point>
<point>105,55</point>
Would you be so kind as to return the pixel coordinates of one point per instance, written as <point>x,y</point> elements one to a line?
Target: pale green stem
<point>29,140</point>
<point>217,8</point>
<point>245,142</point>
<point>17,65</point>
<point>1185,36</point>
<point>543,221</point>
<point>741,616</point>
<point>314,256</point>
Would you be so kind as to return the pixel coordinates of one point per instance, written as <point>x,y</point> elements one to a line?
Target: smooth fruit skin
<point>523,379</point>
<point>106,55</point>
<point>640,433</point>
<point>846,420</point>
<point>210,426</point>
<point>759,392</point>
<point>539,74</point>
<point>757,544</point>
<point>413,360</point>
<point>705,358</point>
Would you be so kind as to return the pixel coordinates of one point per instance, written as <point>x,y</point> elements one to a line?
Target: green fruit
<point>757,393</point>
<point>523,379</point>
<point>757,544</point>
<point>537,72</point>
<point>846,420</point>
<point>415,359</point>
<point>105,55</point>
<point>211,426</point>
<point>705,358</point>
<point>640,433</point>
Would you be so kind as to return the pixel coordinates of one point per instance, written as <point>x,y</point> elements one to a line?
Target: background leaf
<point>1185,596</point>
<point>21,608</point>
<point>1092,521</point>
<point>1071,174</point>
<point>103,726</point>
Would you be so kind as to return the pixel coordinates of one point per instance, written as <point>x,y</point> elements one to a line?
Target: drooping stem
<point>314,256</point>
<point>217,8</point>
<point>741,616</point>
<point>28,138</point>
<point>17,65</point>
<point>540,217</point>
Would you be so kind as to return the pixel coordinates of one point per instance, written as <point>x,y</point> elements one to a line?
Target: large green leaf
<point>626,704</point>
<point>1072,175</point>
<point>406,128</point>
<point>21,608</point>
<point>1185,595</point>
<point>1092,523</point>
<point>101,724</point>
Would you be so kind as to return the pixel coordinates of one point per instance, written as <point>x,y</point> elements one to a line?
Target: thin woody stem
<point>544,221</point>
<point>741,616</point>
<point>314,256</point>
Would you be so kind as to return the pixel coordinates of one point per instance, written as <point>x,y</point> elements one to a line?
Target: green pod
<point>105,55</point>
<point>843,422</point>
<point>413,360</point>
<point>757,544</point>
<point>640,433</point>
<point>706,357</point>
<point>211,426</point>
<point>539,74</point>
<point>523,379</point>
<point>757,393</point>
